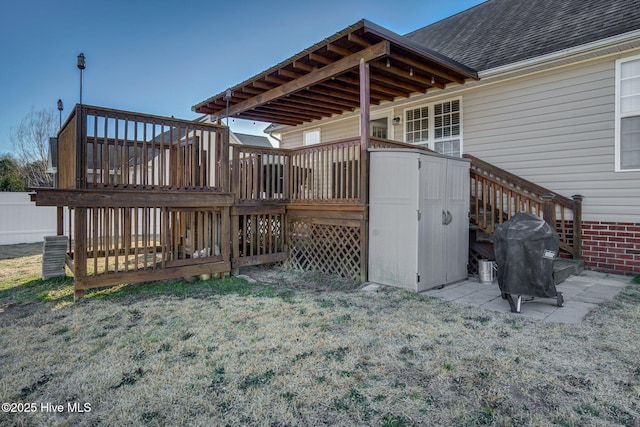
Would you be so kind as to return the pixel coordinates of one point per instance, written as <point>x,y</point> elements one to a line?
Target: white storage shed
<point>418,219</point>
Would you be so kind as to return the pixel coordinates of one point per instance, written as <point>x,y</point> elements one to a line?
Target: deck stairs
<point>486,214</point>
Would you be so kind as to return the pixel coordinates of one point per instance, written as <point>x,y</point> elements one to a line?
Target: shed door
<point>393,219</point>
<point>457,231</point>
<point>432,263</point>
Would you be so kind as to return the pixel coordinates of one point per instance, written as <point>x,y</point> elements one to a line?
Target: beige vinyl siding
<point>556,129</point>
<point>329,131</point>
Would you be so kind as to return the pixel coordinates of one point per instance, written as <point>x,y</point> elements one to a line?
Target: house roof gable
<point>253,140</point>
<point>500,32</point>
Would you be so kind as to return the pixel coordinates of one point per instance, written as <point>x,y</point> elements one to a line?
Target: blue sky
<point>162,57</point>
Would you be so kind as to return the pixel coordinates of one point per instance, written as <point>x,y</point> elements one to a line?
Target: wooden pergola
<point>359,66</point>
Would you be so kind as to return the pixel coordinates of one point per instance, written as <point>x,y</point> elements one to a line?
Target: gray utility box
<point>418,219</point>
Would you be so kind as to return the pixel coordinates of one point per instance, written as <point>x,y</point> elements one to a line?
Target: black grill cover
<point>525,247</point>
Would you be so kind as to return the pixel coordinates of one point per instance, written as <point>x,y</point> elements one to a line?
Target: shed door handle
<point>447,218</point>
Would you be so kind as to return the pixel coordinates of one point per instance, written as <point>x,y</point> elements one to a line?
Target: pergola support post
<point>365,105</point>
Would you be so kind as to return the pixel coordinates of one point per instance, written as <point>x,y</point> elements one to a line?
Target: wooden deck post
<point>81,148</point>
<point>577,226</point>
<point>549,209</point>
<point>226,239</point>
<point>235,173</point>
<point>224,161</point>
<point>365,105</point>
<point>79,250</point>
<point>60,220</point>
<point>80,214</point>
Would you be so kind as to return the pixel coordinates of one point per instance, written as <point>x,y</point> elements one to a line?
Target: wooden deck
<point>151,198</point>
<point>147,197</point>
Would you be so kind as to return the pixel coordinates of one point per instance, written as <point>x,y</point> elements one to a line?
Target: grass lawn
<point>297,349</point>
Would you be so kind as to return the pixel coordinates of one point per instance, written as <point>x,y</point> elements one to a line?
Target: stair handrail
<point>515,181</point>
<point>547,198</point>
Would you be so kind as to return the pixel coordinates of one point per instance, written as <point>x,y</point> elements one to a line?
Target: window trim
<point>430,143</point>
<point>619,116</point>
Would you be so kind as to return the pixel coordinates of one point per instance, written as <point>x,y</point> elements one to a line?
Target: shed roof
<point>500,32</point>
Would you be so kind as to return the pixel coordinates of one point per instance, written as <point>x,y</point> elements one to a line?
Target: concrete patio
<point>581,293</point>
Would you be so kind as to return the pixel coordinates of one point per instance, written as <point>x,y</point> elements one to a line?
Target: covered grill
<point>525,248</point>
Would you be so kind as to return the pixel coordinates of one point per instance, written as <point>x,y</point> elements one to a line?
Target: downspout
<point>277,139</point>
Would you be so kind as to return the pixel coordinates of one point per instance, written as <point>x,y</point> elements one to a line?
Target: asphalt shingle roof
<point>500,32</point>
<point>253,140</point>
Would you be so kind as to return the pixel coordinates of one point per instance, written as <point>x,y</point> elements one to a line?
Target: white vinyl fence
<point>22,222</point>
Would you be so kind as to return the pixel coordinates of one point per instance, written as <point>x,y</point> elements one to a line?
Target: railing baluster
<point>94,150</point>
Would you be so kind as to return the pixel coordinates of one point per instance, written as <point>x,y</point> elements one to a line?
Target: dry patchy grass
<point>302,350</point>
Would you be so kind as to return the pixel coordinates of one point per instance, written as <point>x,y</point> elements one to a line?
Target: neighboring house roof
<point>253,140</point>
<point>500,32</point>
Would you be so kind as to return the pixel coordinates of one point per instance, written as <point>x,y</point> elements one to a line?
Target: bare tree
<point>30,141</point>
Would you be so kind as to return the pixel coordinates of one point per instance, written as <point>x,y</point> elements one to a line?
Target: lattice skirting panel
<point>328,248</point>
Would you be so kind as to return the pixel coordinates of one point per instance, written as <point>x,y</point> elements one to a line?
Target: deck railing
<point>497,195</point>
<point>122,149</point>
<point>149,197</point>
<point>326,173</point>
<point>387,143</point>
<point>260,174</point>
<point>321,173</point>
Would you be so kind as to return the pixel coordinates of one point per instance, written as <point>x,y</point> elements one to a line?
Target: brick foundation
<point>611,247</point>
